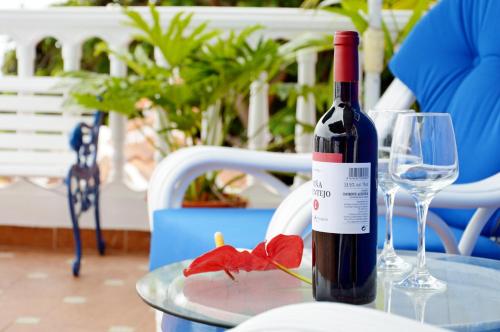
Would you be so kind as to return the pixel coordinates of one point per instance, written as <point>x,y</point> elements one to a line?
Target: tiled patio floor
<point>38,292</point>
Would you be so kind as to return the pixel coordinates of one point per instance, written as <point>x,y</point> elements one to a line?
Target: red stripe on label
<point>327,157</point>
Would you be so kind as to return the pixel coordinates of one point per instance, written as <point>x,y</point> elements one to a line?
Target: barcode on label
<point>359,172</point>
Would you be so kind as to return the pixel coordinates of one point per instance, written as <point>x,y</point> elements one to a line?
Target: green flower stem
<point>230,275</point>
<point>290,272</point>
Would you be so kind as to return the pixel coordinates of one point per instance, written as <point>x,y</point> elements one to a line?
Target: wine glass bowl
<point>424,180</point>
<point>423,161</point>
<point>384,120</point>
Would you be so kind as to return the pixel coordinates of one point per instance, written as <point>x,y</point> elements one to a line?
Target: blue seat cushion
<point>405,238</point>
<point>187,233</point>
<point>451,62</point>
<point>180,234</point>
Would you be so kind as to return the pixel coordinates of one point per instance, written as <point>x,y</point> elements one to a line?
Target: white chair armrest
<point>473,230</point>
<point>318,316</point>
<point>293,214</point>
<point>173,175</point>
<point>396,97</point>
<point>483,193</point>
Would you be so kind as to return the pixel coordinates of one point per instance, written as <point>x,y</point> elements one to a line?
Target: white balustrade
<point>373,60</point>
<point>160,118</point>
<point>258,118</point>
<point>117,122</point>
<point>72,55</point>
<point>73,26</point>
<point>306,108</point>
<point>159,58</point>
<point>25,59</point>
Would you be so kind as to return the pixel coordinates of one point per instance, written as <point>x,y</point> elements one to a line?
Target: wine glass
<point>387,279</point>
<point>423,161</point>
<point>388,260</point>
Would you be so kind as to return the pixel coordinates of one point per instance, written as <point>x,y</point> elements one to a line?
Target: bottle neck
<point>346,71</point>
<point>346,92</point>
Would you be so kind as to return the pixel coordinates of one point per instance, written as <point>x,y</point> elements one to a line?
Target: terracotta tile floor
<point>38,292</point>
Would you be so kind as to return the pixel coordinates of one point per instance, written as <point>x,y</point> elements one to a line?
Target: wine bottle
<point>344,217</point>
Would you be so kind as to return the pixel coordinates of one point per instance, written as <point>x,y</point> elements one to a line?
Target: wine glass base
<point>389,261</point>
<point>421,281</point>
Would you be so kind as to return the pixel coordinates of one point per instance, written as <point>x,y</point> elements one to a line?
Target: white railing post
<point>159,58</point>
<point>373,50</point>
<point>306,108</point>
<point>258,114</point>
<point>118,122</point>
<point>25,53</point>
<point>211,125</point>
<point>71,54</point>
<point>258,118</point>
<point>160,117</point>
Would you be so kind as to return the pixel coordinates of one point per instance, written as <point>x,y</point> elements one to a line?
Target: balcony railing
<point>72,26</point>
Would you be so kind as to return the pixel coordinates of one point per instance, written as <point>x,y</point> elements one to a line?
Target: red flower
<point>284,250</point>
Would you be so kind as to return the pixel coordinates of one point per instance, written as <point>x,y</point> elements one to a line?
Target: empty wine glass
<point>423,161</point>
<point>384,121</point>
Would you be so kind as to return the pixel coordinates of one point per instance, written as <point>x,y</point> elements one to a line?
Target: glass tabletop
<point>471,301</point>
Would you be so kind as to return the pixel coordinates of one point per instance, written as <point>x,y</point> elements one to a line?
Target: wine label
<point>341,195</point>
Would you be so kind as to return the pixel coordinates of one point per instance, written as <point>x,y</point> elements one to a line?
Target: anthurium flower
<point>285,250</point>
<point>282,251</point>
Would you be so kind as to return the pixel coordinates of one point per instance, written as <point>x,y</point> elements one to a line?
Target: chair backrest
<point>451,62</point>
<point>324,316</point>
<point>35,126</point>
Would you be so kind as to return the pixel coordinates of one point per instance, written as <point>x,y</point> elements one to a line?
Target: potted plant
<point>198,96</point>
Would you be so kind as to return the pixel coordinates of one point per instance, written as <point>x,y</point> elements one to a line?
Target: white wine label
<point>341,195</point>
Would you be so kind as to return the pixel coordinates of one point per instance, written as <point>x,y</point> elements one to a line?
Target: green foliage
<point>104,2</point>
<point>282,123</point>
<point>175,43</point>
<point>92,59</point>
<point>9,65</point>
<point>227,67</point>
<point>48,57</point>
<point>352,9</point>
<point>357,12</point>
<point>205,71</point>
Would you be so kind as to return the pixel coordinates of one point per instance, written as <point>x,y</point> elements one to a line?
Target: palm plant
<point>198,90</point>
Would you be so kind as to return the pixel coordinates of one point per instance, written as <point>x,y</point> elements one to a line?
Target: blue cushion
<point>187,233</point>
<point>405,238</point>
<point>451,61</point>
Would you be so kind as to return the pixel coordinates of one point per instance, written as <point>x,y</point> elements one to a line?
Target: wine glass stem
<point>422,208</point>
<point>388,295</point>
<point>389,206</point>
<point>420,304</point>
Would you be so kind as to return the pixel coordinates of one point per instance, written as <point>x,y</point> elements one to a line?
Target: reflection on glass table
<point>471,301</point>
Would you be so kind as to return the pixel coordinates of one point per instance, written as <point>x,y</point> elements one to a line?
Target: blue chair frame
<point>83,183</point>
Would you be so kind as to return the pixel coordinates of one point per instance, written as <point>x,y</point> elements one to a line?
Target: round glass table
<point>471,301</point>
